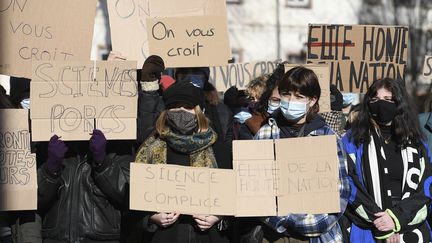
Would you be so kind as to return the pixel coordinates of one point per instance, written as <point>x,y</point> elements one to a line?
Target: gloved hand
<point>151,73</point>
<point>98,146</point>
<point>56,152</point>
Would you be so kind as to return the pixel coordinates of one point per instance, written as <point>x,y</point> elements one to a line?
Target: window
<point>298,3</point>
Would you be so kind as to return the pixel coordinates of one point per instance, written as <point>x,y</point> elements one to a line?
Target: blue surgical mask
<point>272,108</point>
<point>348,98</point>
<point>25,103</point>
<point>293,111</point>
<point>242,116</point>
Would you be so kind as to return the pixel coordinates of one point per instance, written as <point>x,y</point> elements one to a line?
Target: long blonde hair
<point>203,122</point>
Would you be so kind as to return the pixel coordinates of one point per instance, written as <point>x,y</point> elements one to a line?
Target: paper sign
<point>306,178</point>
<point>18,179</point>
<point>48,30</point>
<point>189,41</point>
<point>259,184</point>
<point>182,189</point>
<point>359,54</point>
<point>70,99</point>
<point>323,73</point>
<point>133,14</point>
<point>427,68</point>
<point>239,74</point>
<point>255,170</point>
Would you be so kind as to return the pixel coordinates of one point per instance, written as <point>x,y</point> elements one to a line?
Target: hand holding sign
<point>205,222</point>
<point>164,219</point>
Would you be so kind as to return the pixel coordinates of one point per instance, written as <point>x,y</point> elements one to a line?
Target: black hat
<point>152,68</point>
<point>183,93</point>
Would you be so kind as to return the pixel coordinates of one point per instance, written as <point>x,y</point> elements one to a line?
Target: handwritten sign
<point>427,68</point>
<point>70,99</point>
<point>239,74</point>
<point>267,180</point>
<point>322,71</point>
<point>189,41</point>
<point>49,30</point>
<point>359,54</point>
<point>187,190</point>
<point>306,178</point>
<point>18,180</point>
<point>133,14</point>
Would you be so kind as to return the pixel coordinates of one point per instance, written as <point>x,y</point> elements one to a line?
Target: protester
<point>297,117</point>
<point>335,118</point>
<point>182,136</point>
<point>389,166</point>
<point>81,190</point>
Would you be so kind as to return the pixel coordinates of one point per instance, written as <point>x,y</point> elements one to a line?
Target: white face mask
<point>25,103</point>
<point>272,108</point>
<point>293,111</point>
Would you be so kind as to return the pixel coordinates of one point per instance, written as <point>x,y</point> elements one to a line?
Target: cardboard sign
<point>359,54</point>
<point>18,179</point>
<point>308,173</point>
<point>132,15</point>
<point>239,74</point>
<point>427,68</point>
<point>49,30</point>
<point>268,180</point>
<point>255,169</point>
<point>71,99</point>
<point>323,73</point>
<point>183,189</point>
<point>189,41</point>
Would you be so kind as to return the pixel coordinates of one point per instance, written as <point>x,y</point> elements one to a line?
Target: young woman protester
<point>182,136</point>
<point>297,117</point>
<point>389,165</point>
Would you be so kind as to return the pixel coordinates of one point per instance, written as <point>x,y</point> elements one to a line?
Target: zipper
<point>73,229</point>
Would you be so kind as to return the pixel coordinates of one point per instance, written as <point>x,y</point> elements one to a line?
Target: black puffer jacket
<point>82,203</point>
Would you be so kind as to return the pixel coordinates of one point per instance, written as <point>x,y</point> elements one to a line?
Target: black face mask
<point>383,111</point>
<point>182,121</point>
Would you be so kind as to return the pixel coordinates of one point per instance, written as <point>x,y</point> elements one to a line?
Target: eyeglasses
<point>387,98</point>
<point>274,101</point>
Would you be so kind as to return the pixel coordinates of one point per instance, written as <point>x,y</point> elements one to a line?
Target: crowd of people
<point>383,149</point>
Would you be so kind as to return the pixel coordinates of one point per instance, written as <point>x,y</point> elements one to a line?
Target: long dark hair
<point>405,126</point>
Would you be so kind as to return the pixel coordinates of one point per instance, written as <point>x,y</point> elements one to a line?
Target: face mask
<point>272,108</point>
<point>25,103</point>
<point>348,98</point>
<point>293,111</point>
<point>182,121</point>
<point>242,116</point>
<point>383,111</point>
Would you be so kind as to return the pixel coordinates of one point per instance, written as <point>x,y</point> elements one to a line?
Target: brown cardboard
<point>182,189</point>
<point>133,14</point>
<point>70,99</point>
<point>307,177</point>
<point>359,54</point>
<point>18,177</point>
<point>189,41</point>
<point>33,30</point>
<point>323,73</point>
<point>427,68</point>
<point>239,74</point>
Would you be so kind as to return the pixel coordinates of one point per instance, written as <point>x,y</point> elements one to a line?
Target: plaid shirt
<point>318,227</point>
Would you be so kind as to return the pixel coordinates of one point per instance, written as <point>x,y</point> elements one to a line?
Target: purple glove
<point>98,146</point>
<point>56,152</point>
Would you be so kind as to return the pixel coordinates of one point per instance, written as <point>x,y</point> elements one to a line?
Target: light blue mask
<point>272,108</point>
<point>25,103</point>
<point>242,116</point>
<point>348,98</point>
<point>293,111</point>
